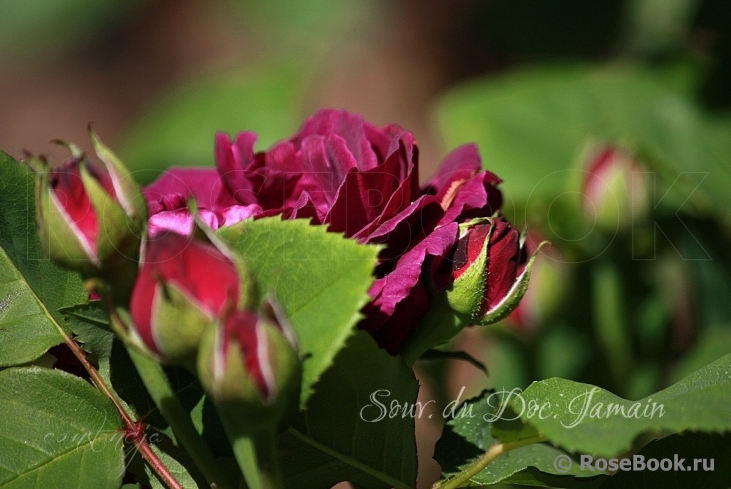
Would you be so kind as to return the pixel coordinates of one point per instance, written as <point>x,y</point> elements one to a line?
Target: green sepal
<point>178,325</point>
<point>112,222</point>
<point>118,239</point>
<point>128,191</point>
<point>75,151</point>
<point>467,293</point>
<point>236,391</point>
<point>513,297</point>
<point>59,240</point>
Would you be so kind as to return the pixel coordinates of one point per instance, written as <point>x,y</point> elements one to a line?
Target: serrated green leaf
<point>331,441</point>
<point>57,431</point>
<point>32,289</point>
<point>321,280</point>
<point>584,418</point>
<point>576,419</point>
<point>90,325</point>
<point>467,436</point>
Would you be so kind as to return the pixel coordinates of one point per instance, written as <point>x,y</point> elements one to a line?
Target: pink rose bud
<point>250,364</point>
<point>91,216</point>
<point>184,286</point>
<point>614,190</point>
<point>488,266</point>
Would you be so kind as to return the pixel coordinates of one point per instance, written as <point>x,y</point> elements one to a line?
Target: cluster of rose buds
<point>194,301</point>
<point>442,243</point>
<point>191,301</point>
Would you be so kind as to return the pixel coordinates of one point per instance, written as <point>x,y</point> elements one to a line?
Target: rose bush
<point>360,180</point>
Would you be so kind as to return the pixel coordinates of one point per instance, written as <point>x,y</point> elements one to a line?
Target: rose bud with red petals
<point>184,286</point>
<point>90,215</point>
<point>614,191</point>
<point>487,265</point>
<point>250,365</point>
<point>489,276</point>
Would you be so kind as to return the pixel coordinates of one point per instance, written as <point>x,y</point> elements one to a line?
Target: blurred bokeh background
<point>631,299</point>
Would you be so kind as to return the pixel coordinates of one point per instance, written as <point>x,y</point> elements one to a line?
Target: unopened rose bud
<point>91,216</point>
<point>489,276</point>
<point>184,286</point>
<point>250,365</point>
<point>487,266</point>
<point>614,190</point>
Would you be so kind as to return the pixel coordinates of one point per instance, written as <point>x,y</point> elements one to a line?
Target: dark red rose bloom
<point>359,180</point>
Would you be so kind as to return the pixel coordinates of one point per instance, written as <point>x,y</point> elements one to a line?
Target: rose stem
<point>156,382</point>
<point>490,455</point>
<point>157,385</point>
<point>142,446</point>
<point>610,320</point>
<point>255,453</point>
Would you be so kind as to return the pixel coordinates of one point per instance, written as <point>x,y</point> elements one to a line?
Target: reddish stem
<point>131,426</point>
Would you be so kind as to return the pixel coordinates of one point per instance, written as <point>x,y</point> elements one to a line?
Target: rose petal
<point>391,292</point>
<point>326,161</point>
<point>406,229</point>
<point>234,160</point>
<point>244,328</point>
<point>476,197</point>
<point>179,221</point>
<point>505,257</point>
<point>352,128</point>
<point>460,163</point>
<point>202,184</point>
<point>69,195</point>
<point>208,277</point>
<point>237,213</point>
<point>364,195</point>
